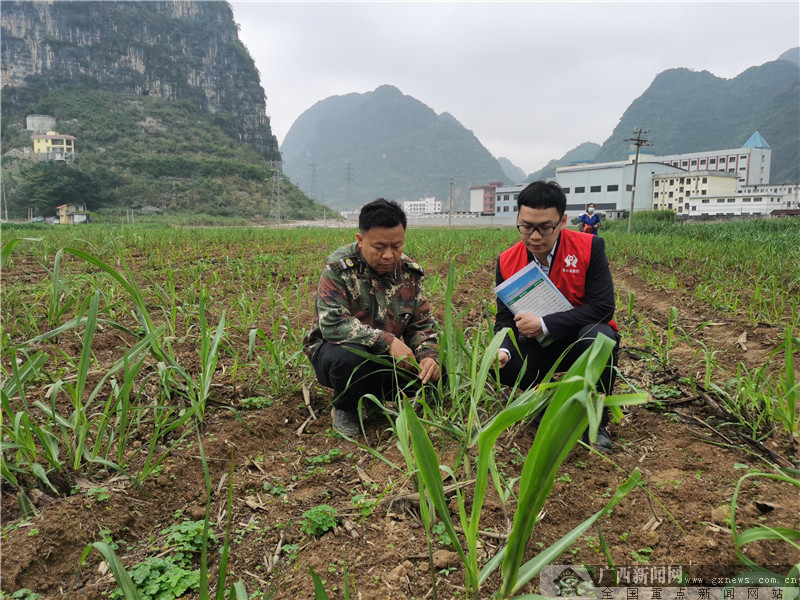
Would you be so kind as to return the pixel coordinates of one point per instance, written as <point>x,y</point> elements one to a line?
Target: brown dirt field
<point>690,464</point>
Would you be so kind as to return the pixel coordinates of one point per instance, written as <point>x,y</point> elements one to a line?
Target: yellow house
<point>672,191</point>
<point>55,145</point>
<point>70,214</point>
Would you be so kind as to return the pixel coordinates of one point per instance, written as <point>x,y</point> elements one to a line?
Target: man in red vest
<point>576,263</point>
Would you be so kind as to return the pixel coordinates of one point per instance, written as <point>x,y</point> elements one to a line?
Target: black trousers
<point>351,376</point>
<point>542,358</point>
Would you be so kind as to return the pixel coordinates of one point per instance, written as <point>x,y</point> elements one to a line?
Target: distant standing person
<point>370,297</point>
<point>590,220</point>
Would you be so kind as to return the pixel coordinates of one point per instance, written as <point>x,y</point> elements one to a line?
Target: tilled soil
<point>287,462</point>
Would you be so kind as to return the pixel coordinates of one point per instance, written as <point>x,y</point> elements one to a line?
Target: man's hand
<point>429,370</point>
<point>502,358</point>
<point>400,350</point>
<point>528,324</point>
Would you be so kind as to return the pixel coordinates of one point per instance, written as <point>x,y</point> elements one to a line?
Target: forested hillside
<point>384,143</point>
<point>137,151</point>
<point>164,101</point>
<point>688,111</point>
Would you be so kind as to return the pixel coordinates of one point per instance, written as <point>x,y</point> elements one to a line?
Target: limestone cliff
<point>176,49</point>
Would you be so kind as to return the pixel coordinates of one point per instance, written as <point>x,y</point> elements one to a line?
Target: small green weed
<point>664,392</point>
<point>444,538</point>
<point>161,579</point>
<point>518,458</point>
<point>172,576</point>
<point>329,456</point>
<point>187,535</point>
<point>22,594</point>
<point>291,550</point>
<point>98,493</point>
<point>318,520</point>
<point>642,555</point>
<point>275,488</point>
<point>105,536</point>
<point>252,526</point>
<point>363,503</point>
<point>256,402</point>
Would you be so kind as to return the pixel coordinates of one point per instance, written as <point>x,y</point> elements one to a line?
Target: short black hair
<point>381,213</point>
<point>543,194</point>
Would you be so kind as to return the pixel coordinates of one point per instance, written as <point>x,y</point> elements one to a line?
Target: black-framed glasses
<point>543,230</point>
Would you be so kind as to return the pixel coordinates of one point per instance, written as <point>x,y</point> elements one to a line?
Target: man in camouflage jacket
<point>370,297</point>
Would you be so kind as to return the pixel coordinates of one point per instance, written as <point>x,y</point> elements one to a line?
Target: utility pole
<point>276,195</point>
<point>450,218</point>
<point>277,172</point>
<point>313,193</point>
<point>4,198</point>
<point>638,141</point>
<point>348,177</point>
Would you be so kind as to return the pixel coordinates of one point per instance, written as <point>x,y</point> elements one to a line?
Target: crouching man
<point>370,297</point>
<point>578,267</point>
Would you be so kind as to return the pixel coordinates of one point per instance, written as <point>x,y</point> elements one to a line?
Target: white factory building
<point>685,183</point>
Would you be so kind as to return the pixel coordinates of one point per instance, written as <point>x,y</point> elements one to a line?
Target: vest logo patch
<point>570,264</point>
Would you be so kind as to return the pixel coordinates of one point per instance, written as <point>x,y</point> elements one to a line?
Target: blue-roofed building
<point>680,179</point>
<point>750,163</point>
<point>756,141</point>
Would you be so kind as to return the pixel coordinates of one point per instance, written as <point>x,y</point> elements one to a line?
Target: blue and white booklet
<point>531,291</point>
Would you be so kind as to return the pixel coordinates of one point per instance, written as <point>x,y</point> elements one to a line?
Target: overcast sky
<point>532,80</point>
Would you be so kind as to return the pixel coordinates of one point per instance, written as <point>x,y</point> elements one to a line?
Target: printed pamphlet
<point>531,291</point>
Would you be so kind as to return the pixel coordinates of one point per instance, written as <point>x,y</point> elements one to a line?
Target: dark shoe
<point>345,422</point>
<point>603,440</point>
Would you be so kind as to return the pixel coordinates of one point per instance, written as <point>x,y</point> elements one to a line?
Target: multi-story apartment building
<point>790,192</point>
<point>505,199</point>
<point>750,163</point>
<point>733,205</point>
<point>748,200</point>
<point>482,197</point>
<point>673,191</point>
<point>424,206</point>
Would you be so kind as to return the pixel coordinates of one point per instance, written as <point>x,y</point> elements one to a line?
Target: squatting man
<point>370,297</point>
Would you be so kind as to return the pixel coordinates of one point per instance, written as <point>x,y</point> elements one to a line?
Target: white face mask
<point>590,210</point>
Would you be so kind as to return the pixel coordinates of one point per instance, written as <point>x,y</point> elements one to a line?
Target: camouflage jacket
<point>356,305</point>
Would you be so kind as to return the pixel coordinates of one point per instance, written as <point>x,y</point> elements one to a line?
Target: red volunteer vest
<point>569,268</point>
